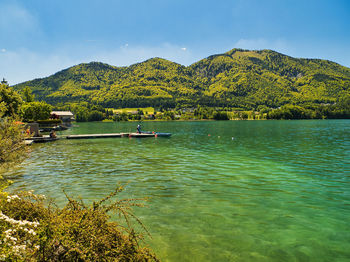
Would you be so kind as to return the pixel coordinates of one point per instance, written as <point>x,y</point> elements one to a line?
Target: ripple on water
<point>278,191</point>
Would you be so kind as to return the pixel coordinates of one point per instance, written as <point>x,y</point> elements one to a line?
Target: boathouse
<point>65,116</point>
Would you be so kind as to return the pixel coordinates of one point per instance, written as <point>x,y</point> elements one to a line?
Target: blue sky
<point>41,37</point>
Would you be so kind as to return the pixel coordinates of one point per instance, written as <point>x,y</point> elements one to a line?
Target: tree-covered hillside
<point>238,78</point>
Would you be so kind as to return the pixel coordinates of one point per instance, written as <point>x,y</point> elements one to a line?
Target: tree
<point>4,81</point>
<point>95,116</point>
<point>169,115</point>
<point>27,95</point>
<point>10,100</point>
<point>244,115</point>
<point>221,116</point>
<point>12,147</point>
<point>36,111</point>
<point>11,131</point>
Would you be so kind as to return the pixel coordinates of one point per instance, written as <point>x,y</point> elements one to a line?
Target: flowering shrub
<point>34,229</point>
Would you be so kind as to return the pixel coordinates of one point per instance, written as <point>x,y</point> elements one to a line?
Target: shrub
<point>12,147</point>
<point>34,230</point>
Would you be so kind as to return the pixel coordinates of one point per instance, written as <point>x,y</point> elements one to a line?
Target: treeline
<point>335,111</point>
<point>85,112</point>
<point>22,105</point>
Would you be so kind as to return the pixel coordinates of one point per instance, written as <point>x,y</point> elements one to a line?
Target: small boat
<point>28,142</point>
<point>41,139</point>
<point>156,133</point>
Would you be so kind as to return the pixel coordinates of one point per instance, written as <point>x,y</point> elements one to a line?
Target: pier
<point>47,138</point>
<point>91,136</point>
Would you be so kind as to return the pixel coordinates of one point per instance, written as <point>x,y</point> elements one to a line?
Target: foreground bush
<point>12,147</point>
<point>33,230</point>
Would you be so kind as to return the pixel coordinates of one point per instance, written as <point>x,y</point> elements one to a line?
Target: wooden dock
<point>47,138</point>
<point>91,136</point>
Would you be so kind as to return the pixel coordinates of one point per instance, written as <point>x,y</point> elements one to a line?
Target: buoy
<point>156,135</point>
<point>208,134</point>
<point>233,138</point>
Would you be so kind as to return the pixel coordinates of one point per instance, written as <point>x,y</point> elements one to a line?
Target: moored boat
<point>157,133</point>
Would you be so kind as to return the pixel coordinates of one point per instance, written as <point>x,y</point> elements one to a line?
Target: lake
<point>219,190</point>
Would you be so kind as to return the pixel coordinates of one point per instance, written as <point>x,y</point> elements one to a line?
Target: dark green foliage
<point>221,116</point>
<point>290,112</point>
<point>243,115</point>
<point>238,78</point>
<point>95,116</point>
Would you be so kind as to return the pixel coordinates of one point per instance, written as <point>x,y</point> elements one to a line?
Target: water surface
<point>220,191</point>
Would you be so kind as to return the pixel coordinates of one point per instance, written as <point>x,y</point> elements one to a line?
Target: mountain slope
<point>238,78</point>
<point>270,78</point>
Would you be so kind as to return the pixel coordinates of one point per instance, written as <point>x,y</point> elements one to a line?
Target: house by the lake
<point>65,116</point>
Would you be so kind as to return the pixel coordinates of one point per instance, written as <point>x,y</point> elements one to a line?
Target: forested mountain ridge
<point>238,78</point>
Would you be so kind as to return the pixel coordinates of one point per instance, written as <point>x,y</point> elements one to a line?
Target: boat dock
<point>90,136</point>
<point>47,138</point>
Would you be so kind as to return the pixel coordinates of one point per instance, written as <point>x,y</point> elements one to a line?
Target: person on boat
<point>53,134</point>
<point>139,129</point>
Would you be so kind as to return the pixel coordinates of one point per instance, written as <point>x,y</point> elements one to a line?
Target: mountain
<point>238,78</point>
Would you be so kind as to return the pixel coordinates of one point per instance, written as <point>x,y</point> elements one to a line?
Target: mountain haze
<point>238,78</point>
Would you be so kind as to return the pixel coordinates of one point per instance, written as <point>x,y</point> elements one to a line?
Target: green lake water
<point>219,191</point>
